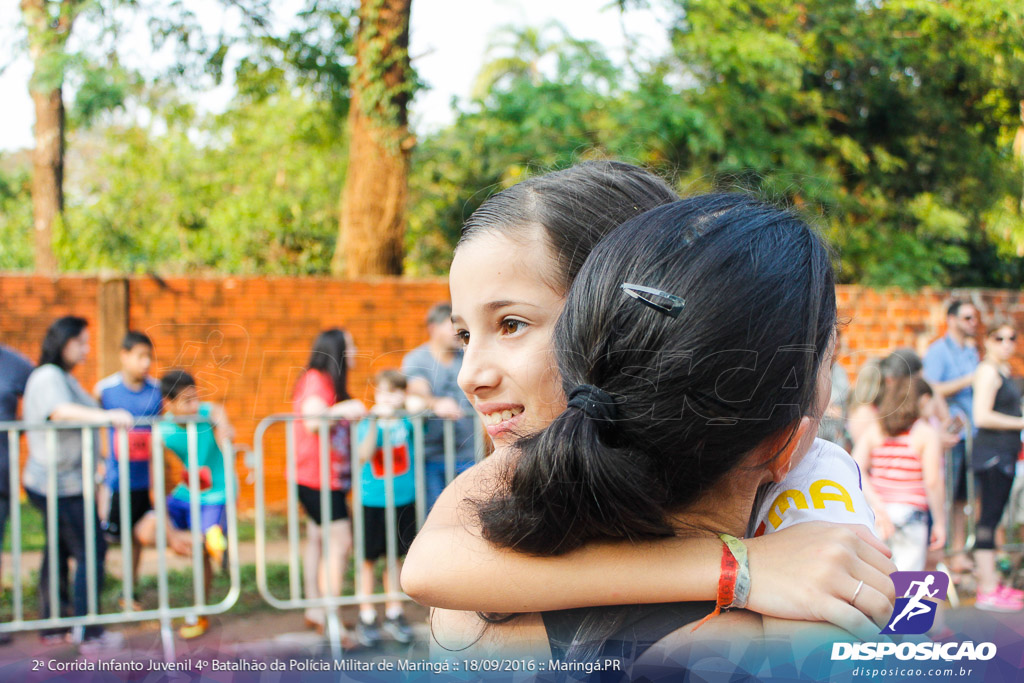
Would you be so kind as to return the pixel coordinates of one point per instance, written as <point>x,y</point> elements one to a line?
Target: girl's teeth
<point>495,418</point>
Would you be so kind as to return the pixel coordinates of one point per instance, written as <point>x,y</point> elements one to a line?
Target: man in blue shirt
<point>131,389</point>
<point>949,367</point>
<point>14,372</point>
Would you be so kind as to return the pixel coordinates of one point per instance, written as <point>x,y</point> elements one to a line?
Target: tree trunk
<point>49,25</point>
<point>372,225</point>
<point>47,176</point>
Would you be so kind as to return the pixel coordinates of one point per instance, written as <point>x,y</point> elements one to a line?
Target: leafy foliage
<point>900,111</point>
<point>259,196</point>
<point>889,122</point>
<point>15,216</point>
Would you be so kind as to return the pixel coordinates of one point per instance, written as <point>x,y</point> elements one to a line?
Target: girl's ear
<point>780,465</point>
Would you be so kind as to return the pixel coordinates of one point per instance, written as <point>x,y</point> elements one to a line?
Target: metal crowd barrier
<point>330,603</point>
<point>164,612</point>
<point>1010,514</point>
<point>971,523</point>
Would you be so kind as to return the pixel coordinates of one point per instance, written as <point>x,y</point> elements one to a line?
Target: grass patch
<point>33,528</point>
<point>180,587</point>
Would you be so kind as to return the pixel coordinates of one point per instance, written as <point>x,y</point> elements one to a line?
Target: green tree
<point>15,213</point>
<point>49,25</point>
<point>893,117</point>
<point>891,123</point>
<point>523,120</point>
<point>252,190</point>
<point>258,195</point>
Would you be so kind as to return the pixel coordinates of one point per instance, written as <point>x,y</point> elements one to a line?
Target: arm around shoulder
<point>451,565</point>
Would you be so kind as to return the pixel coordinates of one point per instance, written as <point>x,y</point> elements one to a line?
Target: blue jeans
<point>436,480</point>
<point>70,543</point>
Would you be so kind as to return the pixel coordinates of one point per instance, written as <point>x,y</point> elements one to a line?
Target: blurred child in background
<point>181,400</point>
<point>134,390</point>
<point>389,401</point>
<point>902,454</point>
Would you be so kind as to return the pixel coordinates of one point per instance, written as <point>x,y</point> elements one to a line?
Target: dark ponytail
<point>571,484</point>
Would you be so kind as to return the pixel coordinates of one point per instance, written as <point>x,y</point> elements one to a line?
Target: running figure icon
<point>914,612</point>
<point>915,606</point>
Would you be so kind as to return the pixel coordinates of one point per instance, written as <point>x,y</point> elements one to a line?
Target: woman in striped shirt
<point>902,454</point>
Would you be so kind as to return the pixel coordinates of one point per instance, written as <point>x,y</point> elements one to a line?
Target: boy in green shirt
<point>181,399</point>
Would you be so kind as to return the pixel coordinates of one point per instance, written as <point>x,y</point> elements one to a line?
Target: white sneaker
<point>105,643</point>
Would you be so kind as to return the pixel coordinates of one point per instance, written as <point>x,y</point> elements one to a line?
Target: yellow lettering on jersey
<point>818,496</point>
<point>793,498</point>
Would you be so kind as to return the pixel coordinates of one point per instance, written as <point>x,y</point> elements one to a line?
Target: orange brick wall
<point>30,303</point>
<point>246,339</point>
<point>879,321</point>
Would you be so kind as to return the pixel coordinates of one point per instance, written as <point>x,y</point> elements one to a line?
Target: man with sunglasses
<point>949,367</point>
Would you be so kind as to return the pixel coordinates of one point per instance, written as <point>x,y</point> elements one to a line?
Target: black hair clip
<point>645,295</point>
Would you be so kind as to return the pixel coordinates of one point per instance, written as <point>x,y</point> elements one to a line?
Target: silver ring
<point>856,592</point>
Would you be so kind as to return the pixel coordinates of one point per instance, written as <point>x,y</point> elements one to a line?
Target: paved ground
<point>270,634</point>
<point>277,551</point>
<point>262,636</point>
<point>265,634</point>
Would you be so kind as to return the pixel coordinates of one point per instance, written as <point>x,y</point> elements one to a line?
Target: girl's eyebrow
<point>496,305</point>
<point>492,306</point>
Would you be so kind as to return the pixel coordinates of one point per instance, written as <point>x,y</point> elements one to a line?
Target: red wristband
<point>726,585</point>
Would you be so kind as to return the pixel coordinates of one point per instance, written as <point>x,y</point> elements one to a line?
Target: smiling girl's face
<point>504,305</point>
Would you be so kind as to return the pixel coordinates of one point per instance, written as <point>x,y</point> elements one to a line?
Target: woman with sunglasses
<point>997,415</point>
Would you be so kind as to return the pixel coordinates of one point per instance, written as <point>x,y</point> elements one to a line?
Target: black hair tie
<point>594,402</point>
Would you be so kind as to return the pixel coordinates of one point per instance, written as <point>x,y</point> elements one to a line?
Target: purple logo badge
<point>917,595</point>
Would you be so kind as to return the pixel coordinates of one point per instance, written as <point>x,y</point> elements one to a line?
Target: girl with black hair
<point>533,239</point>
<point>322,392</point>
<point>53,394</point>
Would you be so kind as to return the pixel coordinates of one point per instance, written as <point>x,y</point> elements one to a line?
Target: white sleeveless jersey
<point>824,486</point>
